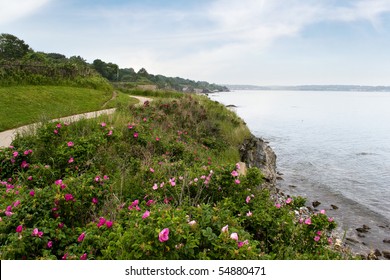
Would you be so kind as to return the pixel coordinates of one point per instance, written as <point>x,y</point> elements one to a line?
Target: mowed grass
<point>21,105</point>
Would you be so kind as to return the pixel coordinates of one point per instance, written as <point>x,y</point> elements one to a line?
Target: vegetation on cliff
<point>158,181</point>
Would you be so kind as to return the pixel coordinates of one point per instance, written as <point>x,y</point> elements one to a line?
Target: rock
<point>372,256</point>
<point>352,240</point>
<point>316,203</point>
<point>279,178</point>
<point>334,207</point>
<point>378,253</point>
<point>366,227</point>
<point>279,173</point>
<point>386,240</point>
<point>362,230</point>
<point>292,186</point>
<point>386,254</point>
<point>361,235</point>
<point>256,153</point>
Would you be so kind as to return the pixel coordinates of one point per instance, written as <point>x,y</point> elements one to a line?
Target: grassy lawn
<point>21,105</point>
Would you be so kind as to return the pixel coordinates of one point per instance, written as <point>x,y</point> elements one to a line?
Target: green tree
<point>11,47</point>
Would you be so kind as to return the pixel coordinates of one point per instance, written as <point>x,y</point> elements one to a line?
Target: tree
<point>11,47</point>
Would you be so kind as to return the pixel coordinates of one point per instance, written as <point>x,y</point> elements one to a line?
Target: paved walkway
<point>7,136</point>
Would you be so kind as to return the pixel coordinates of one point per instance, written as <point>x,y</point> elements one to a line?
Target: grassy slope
<point>21,105</point>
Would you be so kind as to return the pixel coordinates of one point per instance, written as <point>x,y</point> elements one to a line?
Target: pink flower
<point>109,133</point>
<point>32,192</point>
<point>288,201</point>
<point>234,236</point>
<point>71,160</point>
<point>238,166</point>
<point>70,144</point>
<point>58,125</point>
<point>58,182</point>
<point>277,205</point>
<point>97,178</point>
<point>30,178</point>
<point>16,203</point>
<point>330,241</point>
<point>155,187</point>
<point>49,244</point>
<point>317,238</point>
<point>308,221</point>
<point>15,154</point>
<point>240,244</point>
<point>19,228</point>
<point>83,257</point>
<point>146,214</point>
<point>237,181</point>
<point>95,200</point>
<point>8,213</point>
<point>322,211</point>
<point>319,233</point>
<point>102,221</point>
<point>192,223</point>
<point>24,164</point>
<point>109,224</point>
<point>103,124</point>
<point>234,173</point>
<point>301,220</point>
<point>157,139</point>
<point>330,220</point>
<point>172,182</point>
<point>248,199</point>
<point>61,225</point>
<point>151,170</point>
<point>150,202</point>
<point>134,204</point>
<point>81,237</point>
<point>105,177</point>
<point>55,131</point>
<point>225,228</point>
<point>163,236</point>
<point>36,232</point>
<point>249,214</point>
<point>68,197</point>
<point>65,256</point>
<point>135,134</point>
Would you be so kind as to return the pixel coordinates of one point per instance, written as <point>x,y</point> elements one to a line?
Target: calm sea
<point>333,147</point>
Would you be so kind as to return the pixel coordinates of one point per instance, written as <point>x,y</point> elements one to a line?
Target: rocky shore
<point>255,152</point>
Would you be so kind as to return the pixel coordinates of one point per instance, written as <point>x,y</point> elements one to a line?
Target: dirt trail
<point>7,136</point>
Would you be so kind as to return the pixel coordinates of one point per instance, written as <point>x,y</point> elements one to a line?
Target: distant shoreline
<point>353,88</point>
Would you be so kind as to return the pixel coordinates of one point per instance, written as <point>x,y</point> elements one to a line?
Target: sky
<point>256,42</point>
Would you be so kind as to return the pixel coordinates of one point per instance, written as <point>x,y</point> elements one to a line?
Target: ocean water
<point>333,147</point>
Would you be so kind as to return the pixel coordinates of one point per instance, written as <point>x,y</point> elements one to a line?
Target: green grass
<point>21,105</point>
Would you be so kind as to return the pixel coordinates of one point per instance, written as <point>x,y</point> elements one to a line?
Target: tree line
<point>20,64</point>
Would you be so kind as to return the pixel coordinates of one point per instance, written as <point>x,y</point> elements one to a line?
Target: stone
<point>386,254</point>
<point>316,203</point>
<point>255,152</point>
<point>292,186</point>
<point>352,240</point>
<point>361,235</point>
<point>378,253</point>
<point>362,230</point>
<point>386,240</point>
<point>334,207</point>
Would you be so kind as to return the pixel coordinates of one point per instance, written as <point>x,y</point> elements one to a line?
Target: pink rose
<point>234,236</point>
<point>163,236</point>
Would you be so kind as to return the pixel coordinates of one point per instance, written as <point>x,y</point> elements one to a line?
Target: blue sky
<point>259,42</point>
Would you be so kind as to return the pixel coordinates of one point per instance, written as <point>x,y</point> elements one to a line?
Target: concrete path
<point>7,136</point>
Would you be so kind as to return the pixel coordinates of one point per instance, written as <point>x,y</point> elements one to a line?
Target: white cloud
<point>12,10</point>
